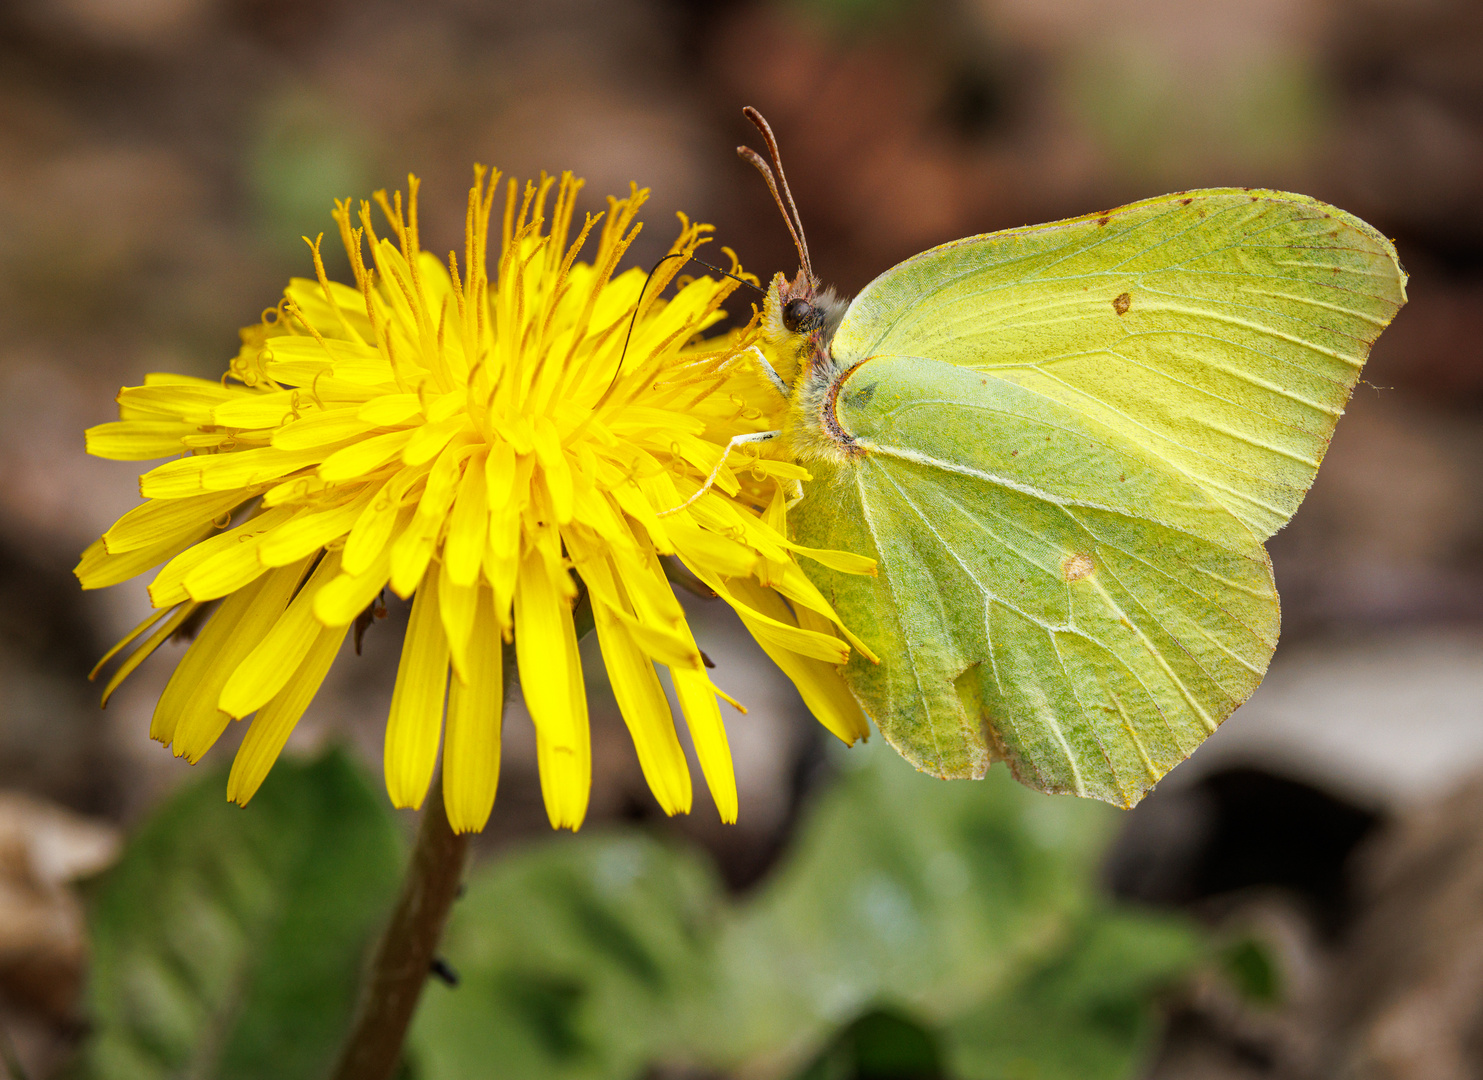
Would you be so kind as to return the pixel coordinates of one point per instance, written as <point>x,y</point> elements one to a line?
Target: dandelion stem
<point>404,957</point>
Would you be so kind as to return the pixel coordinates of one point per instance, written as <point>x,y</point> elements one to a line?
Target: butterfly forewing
<point>1050,593</point>
<point>1221,330</point>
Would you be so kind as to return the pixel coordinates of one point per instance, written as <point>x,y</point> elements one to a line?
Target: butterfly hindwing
<point>1222,329</point>
<point>1049,592</point>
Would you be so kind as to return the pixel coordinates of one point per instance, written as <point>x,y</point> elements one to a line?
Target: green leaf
<point>901,888</point>
<point>1253,971</point>
<point>903,905</point>
<point>229,942</point>
<point>882,1043</point>
<point>1085,1011</point>
<point>578,958</point>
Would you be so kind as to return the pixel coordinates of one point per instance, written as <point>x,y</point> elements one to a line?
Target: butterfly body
<point>1064,446</point>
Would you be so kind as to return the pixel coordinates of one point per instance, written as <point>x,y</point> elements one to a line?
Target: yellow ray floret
<point>509,453</point>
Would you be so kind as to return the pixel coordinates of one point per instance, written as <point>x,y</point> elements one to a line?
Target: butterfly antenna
<point>728,273</point>
<point>795,223</point>
<point>639,307</point>
<point>760,122</point>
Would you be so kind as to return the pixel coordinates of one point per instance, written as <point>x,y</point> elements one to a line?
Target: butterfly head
<point>797,316</point>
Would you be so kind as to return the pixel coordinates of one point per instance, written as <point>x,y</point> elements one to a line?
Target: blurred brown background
<point>160,158</point>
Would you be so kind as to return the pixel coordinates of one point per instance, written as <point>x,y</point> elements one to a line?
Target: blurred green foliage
<point>228,942</point>
<point>914,929</point>
<point>304,154</point>
<point>880,1044</point>
<point>1252,970</point>
<point>575,958</point>
<point>954,929</point>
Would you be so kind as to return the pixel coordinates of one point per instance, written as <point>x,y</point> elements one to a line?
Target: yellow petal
<point>141,654</point>
<point>428,440</point>
<point>305,350</point>
<point>443,406</point>
<point>127,640</point>
<point>268,667</point>
<point>168,586</point>
<point>257,410</point>
<point>457,605</point>
<point>414,548</point>
<point>369,371</point>
<point>322,429</point>
<point>469,524</point>
<point>192,402</point>
<point>221,472</point>
<point>594,508</point>
<point>502,562</point>
<point>551,678</point>
<point>818,682</point>
<point>541,618</point>
<point>649,591</point>
<point>232,565</point>
<point>187,715</point>
<point>274,723</point>
<point>416,720</point>
<point>499,475</point>
<point>471,747</point>
<point>700,546</point>
<point>554,466</point>
<point>138,440</point>
<point>846,562</point>
<point>660,640</point>
<point>708,733</point>
<point>342,599</point>
<point>794,584</point>
<point>375,526</point>
<point>364,456</point>
<point>645,711</point>
<point>636,506</point>
<point>312,528</point>
<point>162,521</point>
<point>389,409</point>
<point>782,633</point>
<point>98,569</point>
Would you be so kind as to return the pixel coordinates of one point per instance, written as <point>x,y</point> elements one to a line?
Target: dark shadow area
<point>1240,829</point>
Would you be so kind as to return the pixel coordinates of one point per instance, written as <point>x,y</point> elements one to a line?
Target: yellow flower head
<point>470,443</point>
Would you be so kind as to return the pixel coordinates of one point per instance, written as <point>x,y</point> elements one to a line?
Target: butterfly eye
<point>799,315</point>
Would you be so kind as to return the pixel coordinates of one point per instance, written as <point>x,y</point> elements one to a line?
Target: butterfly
<point>1064,445</point>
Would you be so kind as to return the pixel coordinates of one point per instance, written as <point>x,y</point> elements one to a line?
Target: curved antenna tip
<point>790,210</point>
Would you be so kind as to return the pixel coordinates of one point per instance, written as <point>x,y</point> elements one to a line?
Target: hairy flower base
<point>469,443</point>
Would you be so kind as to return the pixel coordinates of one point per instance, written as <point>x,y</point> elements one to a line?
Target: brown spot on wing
<point>1077,566</point>
<point>1121,303</point>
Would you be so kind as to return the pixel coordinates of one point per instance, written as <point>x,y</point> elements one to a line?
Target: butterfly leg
<point>767,369</point>
<point>754,437</point>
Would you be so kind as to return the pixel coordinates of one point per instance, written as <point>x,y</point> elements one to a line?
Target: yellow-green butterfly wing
<point>1222,329</point>
<point>1069,444</point>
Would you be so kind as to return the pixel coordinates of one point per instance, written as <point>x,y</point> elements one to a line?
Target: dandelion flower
<point>495,450</point>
